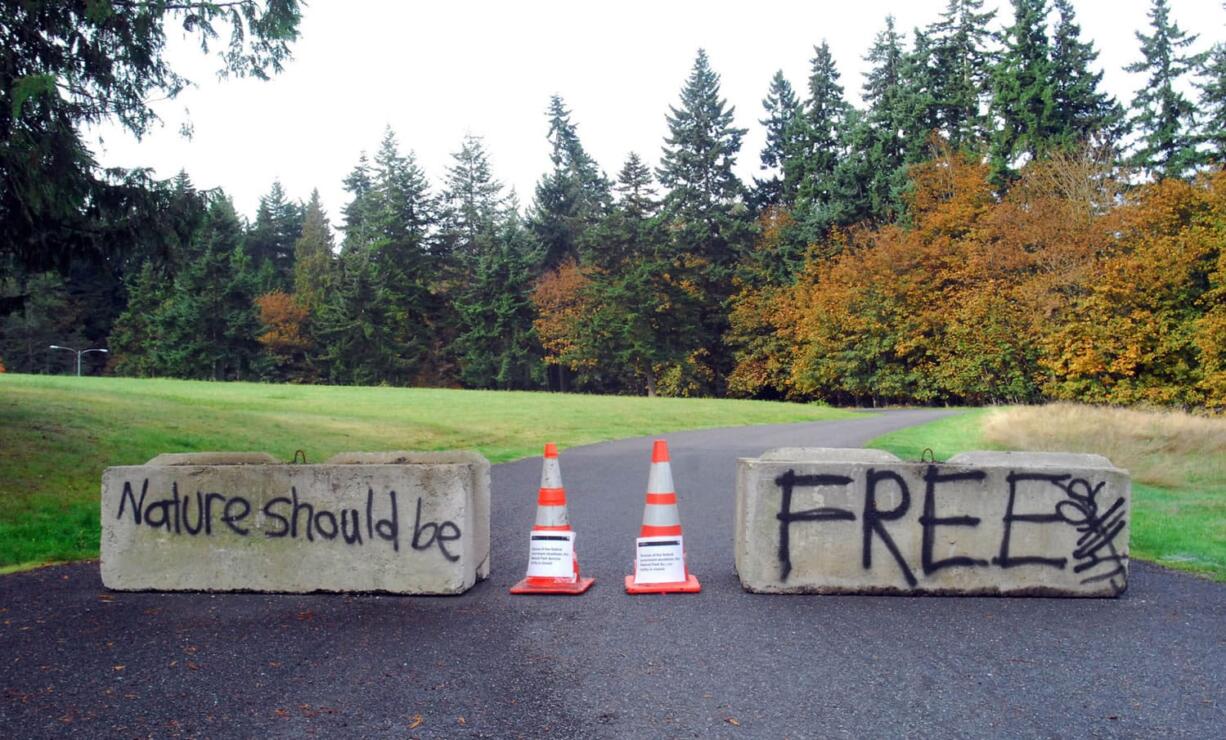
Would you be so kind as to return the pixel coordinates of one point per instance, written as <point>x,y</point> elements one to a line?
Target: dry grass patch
<point>1171,449</point>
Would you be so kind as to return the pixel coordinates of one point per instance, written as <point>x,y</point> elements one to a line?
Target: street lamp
<point>79,353</point>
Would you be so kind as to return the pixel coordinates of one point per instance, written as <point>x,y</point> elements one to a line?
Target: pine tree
<point>1023,91</point>
<point>1082,112</point>
<point>313,257</point>
<point>278,223</point>
<point>961,71</point>
<point>1161,116</point>
<point>571,198</point>
<point>782,111</point>
<point>1213,104</point>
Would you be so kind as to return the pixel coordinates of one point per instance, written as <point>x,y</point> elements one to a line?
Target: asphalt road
<point>75,659</point>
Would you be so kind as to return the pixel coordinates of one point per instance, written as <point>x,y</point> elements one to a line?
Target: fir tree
<point>208,324</point>
<point>1023,91</point>
<point>1162,117</point>
<point>135,341</point>
<point>359,326</point>
<point>496,345</point>
<point>881,143</point>
<point>782,111</point>
<point>313,257</point>
<point>1213,103</point>
<point>961,71</point>
<point>823,129</point>
<point>703,208</point>
<point>919,115</point>
<point>1082,112</point>
<point>278,223</point>
<point>399,216</point>
<point>571,198</point>
<point>357,211</point>
<point>470,203</point>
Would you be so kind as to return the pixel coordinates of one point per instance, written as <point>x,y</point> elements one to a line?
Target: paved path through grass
<point>77,659</point>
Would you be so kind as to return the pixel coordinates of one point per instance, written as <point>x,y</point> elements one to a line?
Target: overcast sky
<point>434,71</point>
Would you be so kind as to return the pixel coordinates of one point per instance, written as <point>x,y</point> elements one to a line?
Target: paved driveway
<point>77,659</point>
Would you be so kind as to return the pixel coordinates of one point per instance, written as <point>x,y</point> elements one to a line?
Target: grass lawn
<point>57,434</point>
<point>1180,523</point>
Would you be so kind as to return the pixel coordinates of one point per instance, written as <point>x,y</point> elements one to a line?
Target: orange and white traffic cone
<point>553,565</point>
<point>659,564</point>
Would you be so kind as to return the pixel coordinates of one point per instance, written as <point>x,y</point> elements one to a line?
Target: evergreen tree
<point>918,112</point>
<point>357,212</point>
<point>136,342</point>
<point>570,199</point>
<point>208,324</point>
<point>278,224</point>
<point>471,202</point>
<point>1213,103</point>
<point>1082,112</point>
<point>1162,117</point>
<point>631,228</point>
<point>1023,91</point>
<point>313,257</point>
<point>961,71</point>
<point>48,316</point>
<point>398,216</point>
<point>883,148</point>
<point>703,208</point>
<point>358,325</point>
<point>782,111</point>
<point>496,346</point>
<point>823,128</point>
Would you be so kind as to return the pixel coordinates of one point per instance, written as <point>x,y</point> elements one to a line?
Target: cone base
<point>565,589</point>
<point>689,586</point>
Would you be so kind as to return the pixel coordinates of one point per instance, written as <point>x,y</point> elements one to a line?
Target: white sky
<point>435,70</point>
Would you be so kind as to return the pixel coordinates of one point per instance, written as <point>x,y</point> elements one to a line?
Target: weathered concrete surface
<point>862,521</point>
<point>400,522</point>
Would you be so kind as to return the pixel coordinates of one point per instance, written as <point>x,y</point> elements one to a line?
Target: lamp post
<point>79,353</point>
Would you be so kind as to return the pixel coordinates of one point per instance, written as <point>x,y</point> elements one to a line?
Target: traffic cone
<point>661,521</point>
<point>551,520</point>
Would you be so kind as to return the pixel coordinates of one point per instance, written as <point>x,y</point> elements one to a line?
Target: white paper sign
<point>551,555</point>
<point>659,560</point>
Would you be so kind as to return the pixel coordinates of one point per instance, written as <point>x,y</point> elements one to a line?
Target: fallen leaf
<point>105,597</point>
<point>417,720</point>
<point>191,649</point>
<point>461,722</point>
<point>732,721</point>
<point>192,666</point>
<point>305,616</point>
<point>281,713</point>
<point>118,667</point>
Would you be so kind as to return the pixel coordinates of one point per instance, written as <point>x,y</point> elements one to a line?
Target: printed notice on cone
<point>551,555</point>
<point>659,560</point>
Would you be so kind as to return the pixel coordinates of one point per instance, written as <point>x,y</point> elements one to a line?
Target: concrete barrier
<point>399,522</point>
<point>863,521</point>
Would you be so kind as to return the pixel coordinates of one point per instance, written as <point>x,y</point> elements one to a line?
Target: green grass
<point>1181,527</point>
<point>57,434</point>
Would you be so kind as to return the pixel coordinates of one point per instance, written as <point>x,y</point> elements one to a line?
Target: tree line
<point>990,225</point>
